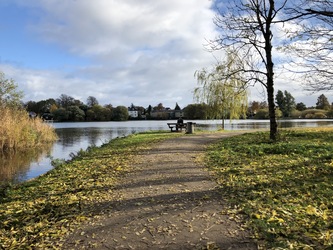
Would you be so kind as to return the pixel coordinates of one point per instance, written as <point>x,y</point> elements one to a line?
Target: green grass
<point>284,189</point>
<point>39,213</point>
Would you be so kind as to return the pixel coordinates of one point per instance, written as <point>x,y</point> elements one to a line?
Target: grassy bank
<point>37,214</point>
<point>284,189</point>
<point>18,131</point>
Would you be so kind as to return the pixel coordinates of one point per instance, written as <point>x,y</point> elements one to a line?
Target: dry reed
<point>19,132</point>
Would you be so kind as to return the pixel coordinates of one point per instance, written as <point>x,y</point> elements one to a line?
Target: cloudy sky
<point>121,52</point>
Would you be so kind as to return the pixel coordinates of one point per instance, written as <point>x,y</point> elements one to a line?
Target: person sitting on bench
<point>180,121</point>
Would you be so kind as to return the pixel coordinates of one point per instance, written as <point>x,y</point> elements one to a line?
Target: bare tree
<point>92,101</point>
<point>247,27</point>
<point>311,43</point>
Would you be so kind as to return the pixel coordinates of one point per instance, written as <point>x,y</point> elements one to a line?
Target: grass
<point>283,189</point>
<point>39,213</point>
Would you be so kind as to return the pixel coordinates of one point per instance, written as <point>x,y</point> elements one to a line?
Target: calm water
<point>76,136</point>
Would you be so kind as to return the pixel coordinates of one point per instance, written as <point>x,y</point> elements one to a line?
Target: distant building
<point>133,112</point>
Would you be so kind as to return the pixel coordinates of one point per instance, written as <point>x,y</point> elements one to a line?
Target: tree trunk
<point>270,75</point>
<point>272,114</point>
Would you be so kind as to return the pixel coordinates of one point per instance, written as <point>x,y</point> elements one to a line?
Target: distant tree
<point>253,108</point>
<point>149,110</point>
<point>159,107</point>
<point>99,113</point>
<point>108,112</point>
<point>9,94</point>
<point>323,103</point>
<point>31,106</point>
<point>263,105</point>
<point>75,114</point>
<point>64,101</point>
<point>41,107</point>
<point>91,101</point>
<point>108,106</point>
<point>300,106</point>
<point>286,102</point>
<point>177,107</point>
<point>61,115</point>
<point>197,111</point>
<point>120,113</point>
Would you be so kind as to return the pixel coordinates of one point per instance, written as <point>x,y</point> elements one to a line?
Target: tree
<point>197,111</point>
<point>300,106</point>
<point>224,94</point>
<point>311,43</point>
<point>286,102</point>
<point>75,114</point>
<point>64,101</point>
<point>91,101</point>
<point>159,107</point>
<point>323,103</point>
<point>247,27</point>
<point>120,113</point>
<point>9,95</point>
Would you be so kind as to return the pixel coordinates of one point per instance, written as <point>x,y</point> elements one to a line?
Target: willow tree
<point>224,93</point>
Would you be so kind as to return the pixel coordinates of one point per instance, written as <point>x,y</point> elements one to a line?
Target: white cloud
<point>144,52</point>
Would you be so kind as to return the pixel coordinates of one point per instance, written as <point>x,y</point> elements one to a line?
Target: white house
<point>133,113</point>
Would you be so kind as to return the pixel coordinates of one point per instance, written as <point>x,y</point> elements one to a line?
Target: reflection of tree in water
<point>15,165</point>
<point>70,136</point>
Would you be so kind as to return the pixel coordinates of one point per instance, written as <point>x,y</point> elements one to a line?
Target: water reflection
<point>76,136</point>
<point>14,166</point>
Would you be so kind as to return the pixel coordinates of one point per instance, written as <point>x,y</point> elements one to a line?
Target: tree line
<point>67,108</point>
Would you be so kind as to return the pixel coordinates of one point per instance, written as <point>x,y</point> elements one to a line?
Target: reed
<point>19,132</point>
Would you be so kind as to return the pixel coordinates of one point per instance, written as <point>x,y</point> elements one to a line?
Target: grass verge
<point>283,188</point>
<point>39,213</point>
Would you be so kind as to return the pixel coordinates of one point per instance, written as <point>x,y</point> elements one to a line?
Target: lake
<point>73,137</point>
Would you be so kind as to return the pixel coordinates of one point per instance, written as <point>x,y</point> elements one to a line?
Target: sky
<point>120,52</point>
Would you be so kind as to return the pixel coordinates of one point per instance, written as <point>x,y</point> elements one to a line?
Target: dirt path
<point>169,202</point>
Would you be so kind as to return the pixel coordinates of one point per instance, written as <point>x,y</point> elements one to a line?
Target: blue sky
<point>121,52</point>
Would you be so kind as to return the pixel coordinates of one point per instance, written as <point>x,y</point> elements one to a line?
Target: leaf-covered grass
<point>283,188</point>
<point>39,213</point>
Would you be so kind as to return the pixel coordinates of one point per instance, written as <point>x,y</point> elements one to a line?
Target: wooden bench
<point>177,127</point>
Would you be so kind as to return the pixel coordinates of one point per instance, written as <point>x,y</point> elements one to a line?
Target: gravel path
<point>168,202</point>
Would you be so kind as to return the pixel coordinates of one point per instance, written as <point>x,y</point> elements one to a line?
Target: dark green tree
<point>197,111</point>
<point>64,101</point>
<point>286,102</point>
<point>75,114</point>
<point>300,106</point>
<point>61,115</point>
<point>323,103</point>
<point>177,107</point>
<point>120,113</point>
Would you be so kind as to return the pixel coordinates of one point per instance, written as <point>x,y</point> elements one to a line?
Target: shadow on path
<point>168,201</point>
